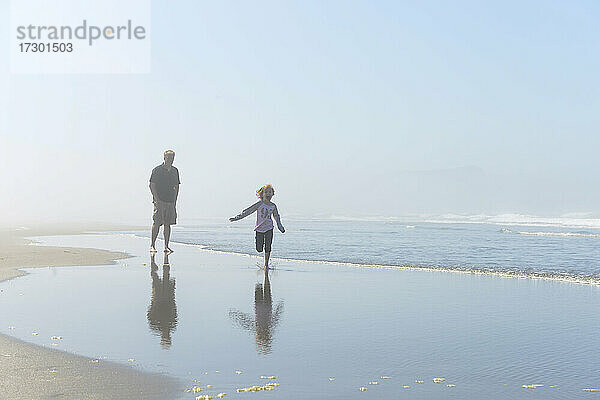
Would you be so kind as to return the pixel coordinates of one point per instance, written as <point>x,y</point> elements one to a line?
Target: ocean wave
<point>563,234</point>
<point>569,220</point>
<point>565,221</point>
<point>357,218</point>
<point>555,234</point>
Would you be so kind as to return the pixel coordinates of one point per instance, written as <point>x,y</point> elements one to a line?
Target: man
<point>164,186</point>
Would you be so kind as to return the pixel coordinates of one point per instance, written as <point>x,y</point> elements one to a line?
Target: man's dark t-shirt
<point>165,182</point>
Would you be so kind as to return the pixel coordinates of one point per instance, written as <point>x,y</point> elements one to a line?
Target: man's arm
<point>153,191</point>
<point>246,212</point>
<point>177,185</point>
<point>278,220</point>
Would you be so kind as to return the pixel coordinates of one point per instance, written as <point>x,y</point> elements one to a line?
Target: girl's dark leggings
<point>264,240</point>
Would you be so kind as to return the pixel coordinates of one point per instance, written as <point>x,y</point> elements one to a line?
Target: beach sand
<point>34,372</point>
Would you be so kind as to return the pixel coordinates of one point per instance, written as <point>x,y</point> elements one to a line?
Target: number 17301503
<point>35,47</point>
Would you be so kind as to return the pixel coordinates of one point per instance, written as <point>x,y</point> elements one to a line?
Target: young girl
<point>264,224</point>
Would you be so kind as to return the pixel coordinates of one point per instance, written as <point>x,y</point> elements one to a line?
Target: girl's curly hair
<point>260,191</point>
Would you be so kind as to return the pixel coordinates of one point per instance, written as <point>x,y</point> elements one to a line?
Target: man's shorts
<point>264,239</point>
<point>164,213</point>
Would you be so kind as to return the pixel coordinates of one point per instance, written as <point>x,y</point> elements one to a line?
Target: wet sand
<point>16,251</point>
<point>320,329</point>
<point>215,321</point>
<point>35,372</point>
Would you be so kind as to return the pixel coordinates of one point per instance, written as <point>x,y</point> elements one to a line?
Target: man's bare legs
<point>167,236</point>
<point>155,229</point>
<point>167,233</point>
<point>267,255</point>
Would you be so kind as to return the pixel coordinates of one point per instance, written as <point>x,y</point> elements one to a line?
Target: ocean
<point>554,248</point>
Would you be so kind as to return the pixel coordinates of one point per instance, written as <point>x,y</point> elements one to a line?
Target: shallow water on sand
<point>309,322</point>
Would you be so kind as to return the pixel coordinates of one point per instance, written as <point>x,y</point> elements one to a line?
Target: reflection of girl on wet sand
<point>265,318</point>
<point>162,312</point>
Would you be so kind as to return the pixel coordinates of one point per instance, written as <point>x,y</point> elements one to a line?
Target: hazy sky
<point>347,108</point>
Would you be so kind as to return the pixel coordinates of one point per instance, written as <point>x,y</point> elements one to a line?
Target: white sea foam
<point>364,218</point>
<point>566,221</point>
<point>569,220</point>
<point>557,234</point>
<point>563,234</point>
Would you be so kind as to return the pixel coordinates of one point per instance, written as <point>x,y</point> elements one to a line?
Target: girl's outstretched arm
<point>246,212</point>
<point>278,220</point>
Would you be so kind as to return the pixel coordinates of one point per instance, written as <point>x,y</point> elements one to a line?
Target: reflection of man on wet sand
<point>265,318</point>
<point>162,312</point>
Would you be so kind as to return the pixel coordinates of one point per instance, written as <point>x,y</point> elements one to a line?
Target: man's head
<point>169,157</point>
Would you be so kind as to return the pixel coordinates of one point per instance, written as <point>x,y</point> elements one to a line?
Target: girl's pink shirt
<point>264,222</point>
